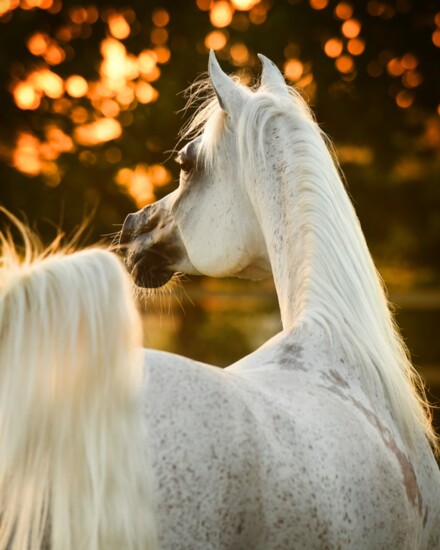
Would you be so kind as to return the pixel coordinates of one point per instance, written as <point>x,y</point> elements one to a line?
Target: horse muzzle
<point>151,246</point>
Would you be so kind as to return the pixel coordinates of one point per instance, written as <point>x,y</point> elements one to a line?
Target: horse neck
<point>323,271</point>
<point>319,258</point>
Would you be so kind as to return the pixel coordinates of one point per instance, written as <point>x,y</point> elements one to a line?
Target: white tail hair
<point>73,466</point>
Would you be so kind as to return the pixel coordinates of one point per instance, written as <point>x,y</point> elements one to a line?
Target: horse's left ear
<point>229,95</point>
<point>271,78</point>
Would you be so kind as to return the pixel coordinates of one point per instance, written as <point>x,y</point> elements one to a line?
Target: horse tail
<point>73,464</point>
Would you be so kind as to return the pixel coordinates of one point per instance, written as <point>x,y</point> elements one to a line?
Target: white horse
<point>317,440</point>
<point>322,437</point>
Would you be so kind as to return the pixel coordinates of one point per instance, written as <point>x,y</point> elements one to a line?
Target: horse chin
<point>148,277</point>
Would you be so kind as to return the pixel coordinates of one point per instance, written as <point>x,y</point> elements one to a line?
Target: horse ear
<point>228,93</point>
<point>271,77</point>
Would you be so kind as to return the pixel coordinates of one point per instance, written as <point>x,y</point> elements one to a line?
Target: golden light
<point>25,96</point>
<point>293,69</point>
<point>37,43</point>
<point>436,38</point>
<point>239,53</point>
<point>118,26</point>
<point>159,36</point>
<point>394,67</point>
<point>125,96</point>
<point>54,55</point>
<point>409,61</point>
<point>412,79</point>
<point>57,142</point>
<point>92,14</point>
<point>351,28</point>
<point>356,46</point>
<point>216,40</point>
<point>355,154</point>
<point>76,86</point>
<point>344,10</point>
<point>48,82</point>
<point>138,183</point>
<point>26,157</point>
<point>79,115</point>
<point>221,14</point>
<point>159,175</point>
<point>258,14</point>
<point>153,75</point>
<point>244,5</point>
<point>163,54</point>
<point>8,5</point>
<point>147,61</point>
<point>333,47</point>
<point>145,93</point>
<point>318,4</point>
<point>404,99</point>
<point>100,131</point>
<point>114,65</point>
<point>375,8</point>
<point>109,108</point>
<point>203,5</point>
<point>78,15</point>
<point>344,64</point>
<point>160,17</point>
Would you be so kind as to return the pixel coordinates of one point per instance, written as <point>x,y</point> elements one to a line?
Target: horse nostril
<point>127,231</point>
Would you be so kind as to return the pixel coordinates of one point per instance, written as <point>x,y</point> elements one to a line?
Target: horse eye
<point>185,164</point>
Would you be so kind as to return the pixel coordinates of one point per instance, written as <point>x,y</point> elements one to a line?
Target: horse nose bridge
<point>128,229</point>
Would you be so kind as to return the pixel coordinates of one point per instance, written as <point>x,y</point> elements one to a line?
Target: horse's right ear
<point>229,95</point>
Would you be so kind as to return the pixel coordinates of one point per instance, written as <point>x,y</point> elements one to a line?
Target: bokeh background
<point>91,106</point>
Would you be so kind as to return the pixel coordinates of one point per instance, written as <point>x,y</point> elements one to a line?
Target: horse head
<point>208,225</point>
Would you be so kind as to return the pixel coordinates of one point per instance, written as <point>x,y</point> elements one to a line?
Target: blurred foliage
<point>89,96</point>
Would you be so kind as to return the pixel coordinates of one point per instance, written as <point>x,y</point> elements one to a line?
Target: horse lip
<point>149,278</point>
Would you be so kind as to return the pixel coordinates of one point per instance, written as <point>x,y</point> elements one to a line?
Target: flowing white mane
<point>338,284</point>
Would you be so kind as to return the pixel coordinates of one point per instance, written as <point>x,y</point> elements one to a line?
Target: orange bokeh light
<point>26,157</point>
<point>356,46</point>
<point>76,86</point>
<point>344,64</point>
<point>138,183</point>
<point>163,54</point>
<point>409,61</point>
<point>160,17</point>
<point>239,53</point>
<point>436,38</point>
<point>344,10</point>
<point>244,5</point>
<point>293,69</point>
<point>215,40</point>
<point>404,99</point>
<point>412,79</point>
<point>26,96</point>
<point>145,93</point>
<point>203,5</point>
<point>394,67</point>
<point>147,61</point>
<point>351,28</point>
<point>318,4</point>
<point>118,26</point>
<point>100,131</point>
<point>333,47</point>
<point>221,14</point>
<point>159,36</point>
<point>37,43</point>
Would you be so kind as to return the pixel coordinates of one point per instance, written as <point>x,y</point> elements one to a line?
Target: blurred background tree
<point>89,96</point>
